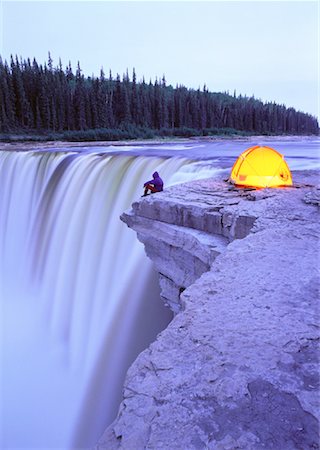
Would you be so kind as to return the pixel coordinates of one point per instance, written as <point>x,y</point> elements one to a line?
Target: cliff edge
<point>237,368</point>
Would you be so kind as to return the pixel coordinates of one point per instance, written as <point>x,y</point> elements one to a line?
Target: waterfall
<point>79,299</point>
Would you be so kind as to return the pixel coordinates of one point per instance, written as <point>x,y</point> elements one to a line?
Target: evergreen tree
<point>22,107</point>
<point>7,99</point>
<point>135,107</point>
<point>79,100</point>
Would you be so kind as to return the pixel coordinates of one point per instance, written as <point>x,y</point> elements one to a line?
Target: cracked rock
<point>237,368</point>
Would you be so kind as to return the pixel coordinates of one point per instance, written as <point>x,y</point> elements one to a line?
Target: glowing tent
<point>261,167</point>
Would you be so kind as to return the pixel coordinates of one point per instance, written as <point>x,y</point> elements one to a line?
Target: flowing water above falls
<point>79,299</point>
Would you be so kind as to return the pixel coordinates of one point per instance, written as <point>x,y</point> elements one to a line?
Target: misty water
<point>79,298</point>
<point>300,153</point>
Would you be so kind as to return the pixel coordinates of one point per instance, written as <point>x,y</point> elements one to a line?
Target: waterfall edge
<point>239,271</point>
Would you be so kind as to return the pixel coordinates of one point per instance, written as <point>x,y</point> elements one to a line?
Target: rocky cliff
<point>237,368</point>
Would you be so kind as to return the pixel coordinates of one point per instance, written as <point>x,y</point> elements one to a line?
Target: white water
<point>79,299</point>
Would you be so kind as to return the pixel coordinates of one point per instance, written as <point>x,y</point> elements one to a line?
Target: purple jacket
<point>156,182</point>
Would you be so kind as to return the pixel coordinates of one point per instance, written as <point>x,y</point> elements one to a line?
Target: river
<point>79,299</point>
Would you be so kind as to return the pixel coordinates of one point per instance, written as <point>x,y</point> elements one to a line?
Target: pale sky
<point>266,48</point>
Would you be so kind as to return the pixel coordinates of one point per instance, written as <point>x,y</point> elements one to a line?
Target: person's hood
<point>155,175</point>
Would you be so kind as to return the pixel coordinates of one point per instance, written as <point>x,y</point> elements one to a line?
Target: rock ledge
<point>237,368</point>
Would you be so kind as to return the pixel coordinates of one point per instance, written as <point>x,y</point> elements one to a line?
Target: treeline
<point>37,98</point>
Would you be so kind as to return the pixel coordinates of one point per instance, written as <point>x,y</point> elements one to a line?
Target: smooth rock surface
<point>238,367</point>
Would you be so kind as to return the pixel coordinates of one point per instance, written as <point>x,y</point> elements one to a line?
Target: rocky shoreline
<point>238,367</point>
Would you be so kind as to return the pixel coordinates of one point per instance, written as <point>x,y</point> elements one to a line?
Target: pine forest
<point>51,102</point>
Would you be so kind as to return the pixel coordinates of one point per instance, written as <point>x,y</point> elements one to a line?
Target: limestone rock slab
<point>238,367</point>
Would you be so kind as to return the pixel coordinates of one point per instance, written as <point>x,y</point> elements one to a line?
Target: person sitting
<point>154,185</point>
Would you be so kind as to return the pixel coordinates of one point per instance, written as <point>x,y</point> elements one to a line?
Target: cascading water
<point>79,299</point>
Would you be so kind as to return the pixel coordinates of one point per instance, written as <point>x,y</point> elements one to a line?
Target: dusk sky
<point>266,48</point>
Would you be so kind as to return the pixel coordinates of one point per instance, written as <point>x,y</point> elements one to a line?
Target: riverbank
<point>238,365</point>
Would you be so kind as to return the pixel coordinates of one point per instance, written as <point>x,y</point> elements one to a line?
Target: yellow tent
<point>261,167</point>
